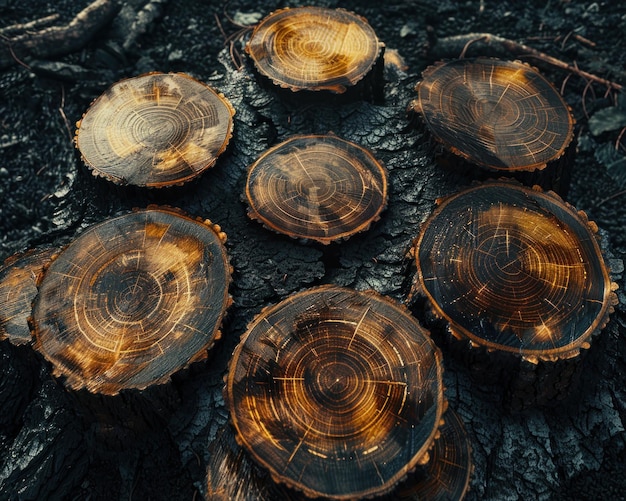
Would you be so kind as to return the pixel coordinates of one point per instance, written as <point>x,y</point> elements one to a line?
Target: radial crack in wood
<point>502,115</point>
<point>132,300</point>
<point>155,130</point>
<point>317,187</point>
<point>337,393</point>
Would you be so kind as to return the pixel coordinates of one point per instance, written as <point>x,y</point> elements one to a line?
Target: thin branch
<point>611,197</point>
<point>56,40</point>
<point>22,28</point>
<point>618,141</point>
<point>64,116</point>
<point>460,44</point>
<point>231,39</point>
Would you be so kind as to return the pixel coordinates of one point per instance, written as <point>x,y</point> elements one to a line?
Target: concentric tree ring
<point>319,188</point>
<point>314,48</point>
<point>132,300</point>
<point>337,393</point>
<point>155,130</point>
<point>515,269</point>
<point>503,115</point>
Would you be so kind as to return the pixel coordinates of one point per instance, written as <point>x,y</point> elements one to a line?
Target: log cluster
<point>333,391</point>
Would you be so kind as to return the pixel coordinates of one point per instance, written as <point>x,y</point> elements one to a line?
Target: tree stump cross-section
<point>316,187</point>
<point>515,269</point>
<point>502,115</point>
<point>18,279</point>
<point>155,130</point>
<point>337,393</point>
<point>132,300</point>
<point>314,48</point>
<point>447,475</point>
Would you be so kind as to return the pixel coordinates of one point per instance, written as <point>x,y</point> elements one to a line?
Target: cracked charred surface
<point>574,449</point>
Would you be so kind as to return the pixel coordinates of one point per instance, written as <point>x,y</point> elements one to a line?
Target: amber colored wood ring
<point>515,269</point>
<point>337,393</point>
<point>132,300</point>
<point>448,474</point>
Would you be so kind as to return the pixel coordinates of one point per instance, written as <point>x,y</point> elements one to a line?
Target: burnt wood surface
<point>54,444</point>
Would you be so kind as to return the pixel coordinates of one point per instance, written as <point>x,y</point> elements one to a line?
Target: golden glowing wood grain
<point>515,269</point>
<point>503,115</point>
<point>337,393</point>
<point>319,188</point>
<point>132,300</point>
<point>314,48</point>
<point>18,278</point>
<point>155,130</point>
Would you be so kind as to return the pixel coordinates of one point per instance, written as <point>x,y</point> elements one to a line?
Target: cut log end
<point>336,393</point>
<point>318,188</point>
<point>317,49</point>
<point>515,269</point>
<point>448,473</point>
<point>132,300</point>
<point>155,130</point>
<point>18,288</point>
<point>501,115</point>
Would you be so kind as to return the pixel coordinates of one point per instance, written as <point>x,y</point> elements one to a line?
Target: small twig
<point>62,112</point>
<point>230,19</point>
<point>618,141</point>
<point>584,40</point>
<point>234,55</point>
<point>565,39</point>
<point>219,25</point>
<point>564,83</point>
<point>467,45</point>
<point>15,58</point>
<point>584,96</point>
<point>611,197</point>
<point>231,39</point>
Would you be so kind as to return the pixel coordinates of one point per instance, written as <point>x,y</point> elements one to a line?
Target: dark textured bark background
<point>55,444</point>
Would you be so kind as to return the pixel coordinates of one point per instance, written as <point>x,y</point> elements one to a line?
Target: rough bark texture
<point>52,446</point>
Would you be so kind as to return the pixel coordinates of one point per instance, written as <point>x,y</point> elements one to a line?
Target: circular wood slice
<point>503,115</point>
<point>233,476</point>
<point>337,393</point>
<point>319,188</point>
<point>132,300</point>
<point>155,130</point>
<point>18,278</point>
<point>515,269</point>
<point>314,48</point>
<point>447,475</point>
